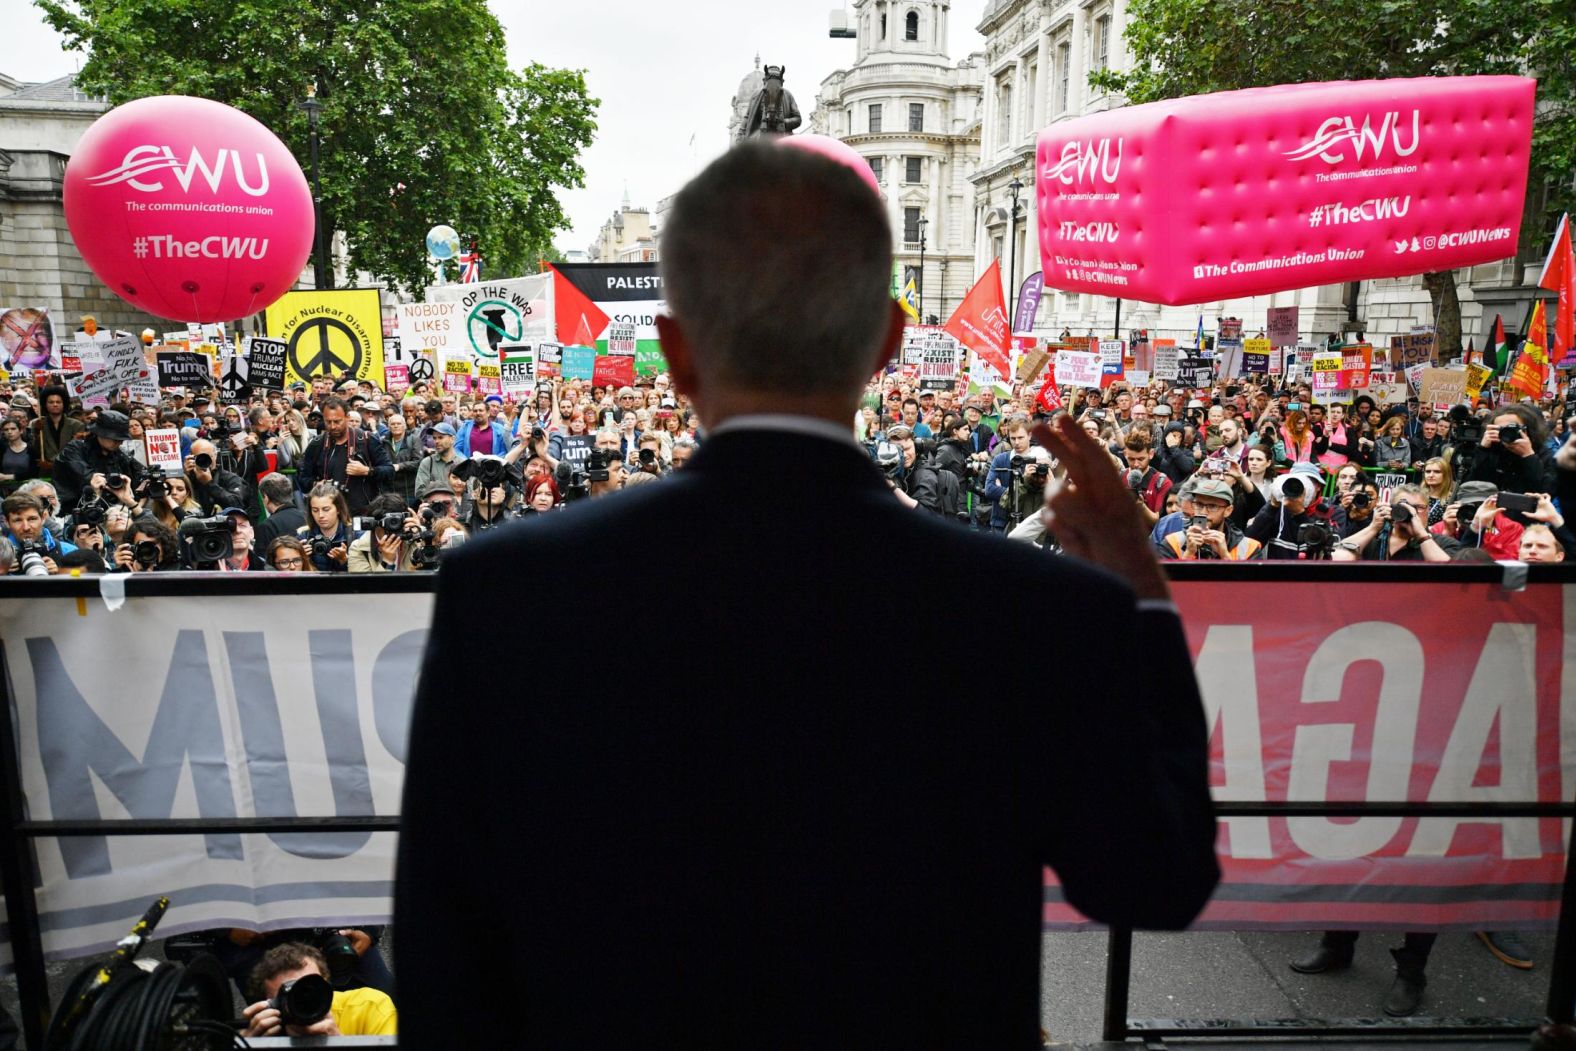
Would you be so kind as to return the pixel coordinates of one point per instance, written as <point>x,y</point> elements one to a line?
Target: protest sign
<point>234,387</point>
<point>457,373</point>
<point>396,378</point>
<point>649,360</point>
<point>1138,377</point>
<point>938,367</point>
<point>1414,379</point>
<point>1388,483</point>
<point>579,363</point>
<point>1443,388</point>
<point>266,362</point>
<point>492,313</point>
<point>517,368</point>
<point>1228,357</point>
<point>1281,326</point>
<point>488,378</point>
<point>184,369</point>
<point>1165,359</point>
<point>1228,328</point>
<point>621,338</point>
<point>332,332</point>
<point>1477,376</point>
<point>164,448</point>
<point>577,448</point>
<point>1356,360</point>
<point>1256,356</point>
<point>1195,371</point>
<point>550,353</point>
<point>1112,363</point>
<point>614,369</point>
<point>434,325</point>
<point>1078,368</point>
<point>1032,365</point>
<point>1386,388</point>
<point>1326,370</point>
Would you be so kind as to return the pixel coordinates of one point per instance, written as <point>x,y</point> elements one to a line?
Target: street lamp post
<point>320,272</point>
<point>1012,237</point>
<point>923,223</point>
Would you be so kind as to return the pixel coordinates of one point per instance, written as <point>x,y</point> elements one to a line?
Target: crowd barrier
<point>261,721</point>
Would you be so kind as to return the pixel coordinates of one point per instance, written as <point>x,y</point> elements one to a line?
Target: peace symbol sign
<point>421,369</point>
<point>333,347</point>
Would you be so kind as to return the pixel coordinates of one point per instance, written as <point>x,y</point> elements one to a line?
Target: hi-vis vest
<point>1246,547</point>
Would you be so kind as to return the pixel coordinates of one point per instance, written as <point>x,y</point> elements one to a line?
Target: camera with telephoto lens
<point>91,509</point>
<point>1401,514</point>
<point>153,485</point>
<point>1360,499</point>
<point>303,1001</point>
<point>1315,537</point>
<point>30,555</point>
<point>572,481</point>
<point>596,464</point>
<point>340,954</point>
<point>389,523</point>
<point>114,481</point>
<point>1290,487</point>
<point>208,539</point>
<point>889,457</point>
<point>146,553</point>
<point>488,471</point>
<point>1466,514</point>
<point>1510,434</point>
<point>1465,429</point>
<point>203,461</point>
<point>648,460</point>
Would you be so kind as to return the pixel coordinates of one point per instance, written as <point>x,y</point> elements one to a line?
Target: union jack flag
<point>470,266</point>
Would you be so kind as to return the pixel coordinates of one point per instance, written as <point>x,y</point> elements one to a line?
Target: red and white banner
<point>1422,692</point>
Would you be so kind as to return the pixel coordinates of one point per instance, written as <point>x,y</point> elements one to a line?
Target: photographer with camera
<point>213,487</point>
<point>389,538</point>
<point>243,557</point>
<point>88,464</point>
<point>292,996</point>
<point>436,468</point>
<point>37,549</point>
<point>348,456</point>
<point>328,533</point>
<point>918,483</point>
<point>1294,524</point>
<point>149,546</point>
<point>1356,507</point>
<point>1209,532</point>
<point>1397,533</point>
<point>1172,457</point>
<point>1512,454</point>
<point>1015,485</point>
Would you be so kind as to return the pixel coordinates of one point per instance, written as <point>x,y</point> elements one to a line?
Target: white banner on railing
<point>254,706</point>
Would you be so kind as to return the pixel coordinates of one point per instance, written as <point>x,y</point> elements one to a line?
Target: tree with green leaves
<point>1192,47</point>
<point>422,121</point>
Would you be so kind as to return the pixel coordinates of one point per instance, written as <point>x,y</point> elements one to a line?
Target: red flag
<point>980,322</point>
<point>1559,275</point>
<point>614,370</point>
<point>1532,367</point>
<point>1050,396</point>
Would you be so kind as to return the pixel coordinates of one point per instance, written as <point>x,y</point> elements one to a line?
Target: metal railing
<point>18,871</point>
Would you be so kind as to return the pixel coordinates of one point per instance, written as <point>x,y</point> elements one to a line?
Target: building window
<point>1003,111</point>
<point>995,247</point>
<point>1031,86</point>
<point>911,26</point>
<point>883,27</point>
<point>875,117</point>
<point>911,225</point>
<point>1064,65</point>
<point>879,168</point>
<point>914,168</point>
<point>1102,36</point>
<point>916,116</point>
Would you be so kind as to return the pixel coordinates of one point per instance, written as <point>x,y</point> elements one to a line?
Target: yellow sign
<point>1256,346</point>
<point>459,367</point>
<point>333,333</point>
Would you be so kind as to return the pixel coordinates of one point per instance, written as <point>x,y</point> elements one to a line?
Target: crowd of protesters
<point>339,476</point>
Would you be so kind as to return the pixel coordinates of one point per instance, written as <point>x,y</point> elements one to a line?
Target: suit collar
<point>773,455</point>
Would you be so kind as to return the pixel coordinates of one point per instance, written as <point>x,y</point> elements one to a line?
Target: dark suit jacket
<point>793,815</point>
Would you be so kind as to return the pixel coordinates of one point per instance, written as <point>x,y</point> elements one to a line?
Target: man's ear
<point>891,340</point>
<point>678,351</point>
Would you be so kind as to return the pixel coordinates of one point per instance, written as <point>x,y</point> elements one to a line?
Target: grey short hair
<point>777,263</point>
<point>7,555</point>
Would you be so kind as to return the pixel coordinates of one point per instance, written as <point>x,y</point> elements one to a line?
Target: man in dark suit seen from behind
<point>784,852</point>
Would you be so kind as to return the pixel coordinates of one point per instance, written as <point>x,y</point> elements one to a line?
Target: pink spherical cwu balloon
<point>836,150</point>
<point>189,209</point>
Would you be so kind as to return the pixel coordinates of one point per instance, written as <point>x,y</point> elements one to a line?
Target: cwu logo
<point>142,161</point>
<point>1341,130</point>
<point>1087,160</point>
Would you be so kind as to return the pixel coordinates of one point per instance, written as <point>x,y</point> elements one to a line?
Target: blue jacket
<point>997,482</point>
<point>462,441</point>
<point>56,548</point>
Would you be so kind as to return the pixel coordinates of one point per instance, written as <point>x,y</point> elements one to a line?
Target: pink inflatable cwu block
<point>1249,192</point>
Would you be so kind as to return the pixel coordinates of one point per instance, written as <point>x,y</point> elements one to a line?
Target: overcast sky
<point>665,74</point>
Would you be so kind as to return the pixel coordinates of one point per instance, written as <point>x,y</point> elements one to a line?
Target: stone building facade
<point>914,116</point>
<point>39,263</point>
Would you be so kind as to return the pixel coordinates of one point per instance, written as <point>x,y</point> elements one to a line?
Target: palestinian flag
<point>1495,353</point>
